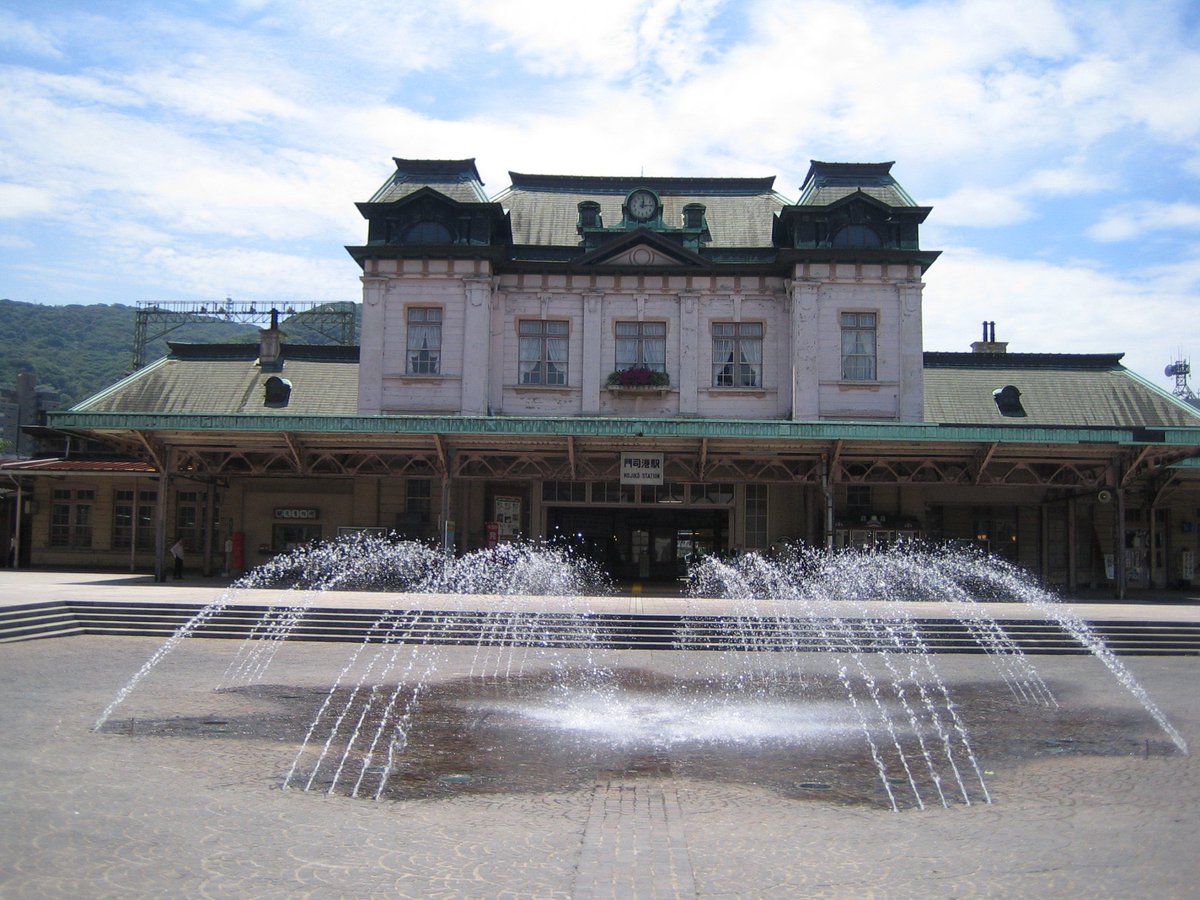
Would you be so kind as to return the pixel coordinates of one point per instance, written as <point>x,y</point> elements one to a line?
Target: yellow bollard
<point>636,590</point>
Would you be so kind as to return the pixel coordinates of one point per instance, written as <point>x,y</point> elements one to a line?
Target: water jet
<point>777,667</point>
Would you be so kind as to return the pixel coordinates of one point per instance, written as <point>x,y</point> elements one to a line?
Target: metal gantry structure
<point>1179,370</point>
<point>334,321</point>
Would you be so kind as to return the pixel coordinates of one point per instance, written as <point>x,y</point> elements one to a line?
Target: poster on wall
<point>508,517</point>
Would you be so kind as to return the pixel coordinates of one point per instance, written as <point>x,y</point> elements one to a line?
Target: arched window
<point>427,233</point>
<point>855,236</point>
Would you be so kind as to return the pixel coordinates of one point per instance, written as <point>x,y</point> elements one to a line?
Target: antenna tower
<point>1180,369</point>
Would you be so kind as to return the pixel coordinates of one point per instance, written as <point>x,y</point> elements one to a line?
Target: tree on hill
<point>78,350</point>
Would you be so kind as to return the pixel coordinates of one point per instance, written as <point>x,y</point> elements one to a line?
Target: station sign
<point>641,468</point>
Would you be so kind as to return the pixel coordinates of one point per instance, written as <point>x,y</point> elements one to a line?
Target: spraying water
<point>849,610</point>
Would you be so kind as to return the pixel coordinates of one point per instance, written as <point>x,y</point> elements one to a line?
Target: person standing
<point>177,555</point>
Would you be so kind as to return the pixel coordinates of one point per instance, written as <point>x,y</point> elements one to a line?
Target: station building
<point>651,368</point>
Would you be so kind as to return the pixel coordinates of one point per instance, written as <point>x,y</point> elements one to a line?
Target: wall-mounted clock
<point>642,205</point>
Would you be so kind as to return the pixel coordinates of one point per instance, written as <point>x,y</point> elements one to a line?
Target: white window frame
<point>643,349</point>
<point>423,326</point>
<point>737,354</point>
<point>859,335</point>
<point>543,352</point>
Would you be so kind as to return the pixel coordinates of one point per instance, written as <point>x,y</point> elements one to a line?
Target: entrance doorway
<point>641,544</point>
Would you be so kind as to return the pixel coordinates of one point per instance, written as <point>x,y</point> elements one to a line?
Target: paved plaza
<point>180,795</point>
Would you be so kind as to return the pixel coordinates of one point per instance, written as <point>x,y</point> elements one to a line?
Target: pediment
<point>423,197</point>
<point>641,256</point>
<point>642,249</point>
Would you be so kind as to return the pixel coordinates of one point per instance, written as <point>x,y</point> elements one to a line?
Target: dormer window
<point>589,215</point>
<point>1008,401</point>
<point>693,216</point>
<point>277,392</point>
<point>856,237</point>
<point>427,233</point>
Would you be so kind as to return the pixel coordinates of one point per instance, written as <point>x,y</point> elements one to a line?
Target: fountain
<point>808,662</point>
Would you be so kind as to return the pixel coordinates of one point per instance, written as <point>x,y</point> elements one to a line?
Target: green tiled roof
<point>458,179</point>
<point>828,182</point>
<point>1056,390</point>
<point>222,378</point>
<point>739,212</point>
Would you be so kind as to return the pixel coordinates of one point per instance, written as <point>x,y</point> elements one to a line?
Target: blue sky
<point>197,150</point>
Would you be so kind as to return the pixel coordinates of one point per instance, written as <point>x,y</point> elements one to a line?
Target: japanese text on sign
<point>641,468</point>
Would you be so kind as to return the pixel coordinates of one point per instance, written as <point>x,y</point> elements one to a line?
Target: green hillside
<point>78,350</point>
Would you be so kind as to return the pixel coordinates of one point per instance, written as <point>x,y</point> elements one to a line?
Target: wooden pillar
<point>1044,524</point>
<point>1119,543</point>
<point>1072,564</point>
<point>160,527</point>
<point>447,542</point>
<point>19,521</point>
<point>207,547</point>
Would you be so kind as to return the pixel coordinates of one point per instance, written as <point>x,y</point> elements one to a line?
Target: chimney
<point>270,345</point>
<point>989,344</point>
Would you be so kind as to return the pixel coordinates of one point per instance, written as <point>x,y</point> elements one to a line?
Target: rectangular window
<point>858,499</point>
<point>133,514</point>
<point>664,493</point>
<point>718,494</point>
<point>642,345</point>
<point>424,355</point>
<point>858,346</point>
<point>613,492</point>
<point>564,491</point>
<point>191,520</point>
<point>542,355</point>
<point>418,500</point>
<point>756,516</point>
<point>71,518</point>
<point>737,354</point>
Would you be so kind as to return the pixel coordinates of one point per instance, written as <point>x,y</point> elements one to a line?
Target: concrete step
<point>608,630</point>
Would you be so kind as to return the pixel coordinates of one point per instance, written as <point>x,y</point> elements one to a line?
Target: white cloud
<point>973,207</point>
<point>210,138</point>
<point>1045,307</point>
<point>197,91</point>
<point>18,200</point>
<point>650,44</point>
<point>26,37</point>
<point>250,274</point>
<point>1134,220</point>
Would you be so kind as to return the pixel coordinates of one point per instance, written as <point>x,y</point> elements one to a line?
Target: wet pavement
<point>181,792</point>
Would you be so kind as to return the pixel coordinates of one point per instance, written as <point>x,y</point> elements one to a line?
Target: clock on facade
<point>642,204</point>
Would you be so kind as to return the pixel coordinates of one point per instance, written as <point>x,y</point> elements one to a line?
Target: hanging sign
<point>641,468</point>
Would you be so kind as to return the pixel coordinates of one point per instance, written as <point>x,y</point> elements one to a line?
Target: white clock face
<point>642,205</point>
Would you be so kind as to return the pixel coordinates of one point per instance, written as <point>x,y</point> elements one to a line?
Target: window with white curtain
<point>737,354</point>
<point>424,355</point>
<point>858,346</point>
<point>642,345</point>
<point>542,352</point>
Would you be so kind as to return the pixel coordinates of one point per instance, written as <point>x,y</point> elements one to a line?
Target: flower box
<point>639,377</point>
